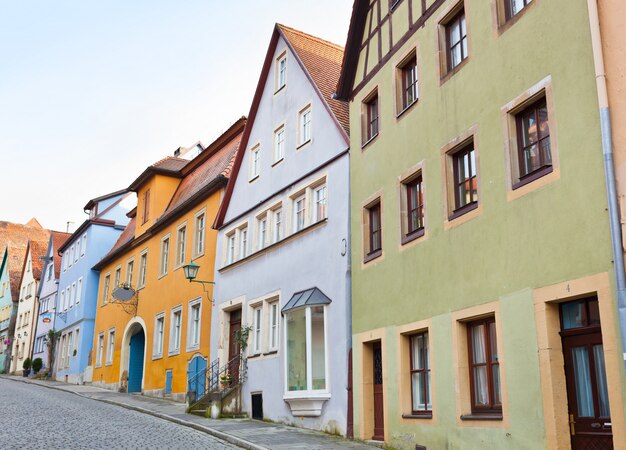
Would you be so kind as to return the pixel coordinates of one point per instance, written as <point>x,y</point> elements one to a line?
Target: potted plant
<point>226,379</point>
<point>26,365</point>
<point>37,365</point>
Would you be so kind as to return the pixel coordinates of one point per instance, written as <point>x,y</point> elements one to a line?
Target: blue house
<point>78,285</point>
<point>47,292</point>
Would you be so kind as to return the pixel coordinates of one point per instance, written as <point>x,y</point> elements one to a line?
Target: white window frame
<point>191,344</point>
<point>278,227</point>
<point>100,349</point>
<point>164,257</point>
<point>231,247</point>
<point>305,127</point>
<point>117,276</point>
<point>315,201</point>
<point>273,327</point>
<point>262,230</point>
<point>72,294</point>
<point>61,303</point>
<point>142,273</point>
<point>79,288</point>
<point>130,271</point>
<point>71,260</point>
<point>257,328</point>
<point>243,241</point>
<point>281,75</point>
<point>297,199</point>
<point>181,245</point>
<point>172,349</point>
<point>279,144</point>
<point>65,260</point>
<point>106,288</point>
<point>255,162</point>
<point>84,245</point>
<point>110,346</point>
<point>199,234</point>
<point>158,341</point>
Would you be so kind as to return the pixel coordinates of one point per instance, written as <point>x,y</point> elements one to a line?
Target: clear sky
<point>91,92</point>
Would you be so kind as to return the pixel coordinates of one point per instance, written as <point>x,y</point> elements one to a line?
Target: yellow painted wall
<point>160,295</point>
<point>161,190</point>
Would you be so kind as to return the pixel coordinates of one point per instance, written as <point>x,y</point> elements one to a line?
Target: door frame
<point>364,382</point>
<point>551,360</point>
<point>131,328</point>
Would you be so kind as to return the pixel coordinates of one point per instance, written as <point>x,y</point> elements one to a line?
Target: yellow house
<point>152,327</point>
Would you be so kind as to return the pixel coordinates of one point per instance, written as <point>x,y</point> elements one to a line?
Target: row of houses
<point>415,240</point>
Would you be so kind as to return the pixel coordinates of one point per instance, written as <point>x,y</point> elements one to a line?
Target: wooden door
<point>379,417</point>
<point>587,391</point>
<point>233,344</point>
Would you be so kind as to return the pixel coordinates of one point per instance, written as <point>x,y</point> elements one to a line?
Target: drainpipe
<point>609,169</point>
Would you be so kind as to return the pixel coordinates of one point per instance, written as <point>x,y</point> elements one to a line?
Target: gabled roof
<point>320,61</point>
<point>57,239</point>
<point>37,249</point>
<point>91,203</point>
<point>202,175</point>
<point>170,166</point>
<point>352,50</point>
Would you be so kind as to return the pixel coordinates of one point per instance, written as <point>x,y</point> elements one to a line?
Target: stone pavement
<point>245,433</point>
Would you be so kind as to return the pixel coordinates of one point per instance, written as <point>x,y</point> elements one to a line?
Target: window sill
<point>277,162</point>
<point>481,417</point>
<point>173,352</point>
<point>526,179</point>
<point>418,416</point>
<point>450,73</point>
<point>253,179</point>
<point>308,141</point>
<point>199,255</point>
<point>463,210</point>
<point>373,255</point>
<point>254,355</point>
<point>193,348</point>
<point>412,236</point>
<point>369,141</point>
<point>306,403</point>
<point>109,363</point>
<point>407,108</point>
<point>280,89</point>
<point>161,275</point>
<point>271,352</point>
<point>156,357</point>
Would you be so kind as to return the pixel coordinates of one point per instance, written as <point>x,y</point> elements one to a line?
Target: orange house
<point>152,327</point>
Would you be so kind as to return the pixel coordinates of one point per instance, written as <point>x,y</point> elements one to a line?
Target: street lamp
<point>191,272</point>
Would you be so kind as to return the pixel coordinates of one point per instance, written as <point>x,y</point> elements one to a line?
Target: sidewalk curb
<point>211,431</point>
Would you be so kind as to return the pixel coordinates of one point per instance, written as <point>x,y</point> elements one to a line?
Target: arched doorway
<point>135,361</point>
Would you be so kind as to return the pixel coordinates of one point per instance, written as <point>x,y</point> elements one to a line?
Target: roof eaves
<point>352,49</point>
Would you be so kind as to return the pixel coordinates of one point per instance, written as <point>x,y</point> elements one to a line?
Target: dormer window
<point>146,206</point>
<point>281,71</point>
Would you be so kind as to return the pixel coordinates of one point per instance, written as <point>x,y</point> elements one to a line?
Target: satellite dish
<point>123,293</point>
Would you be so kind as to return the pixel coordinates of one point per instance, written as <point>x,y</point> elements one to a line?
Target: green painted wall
<point>556,233</point>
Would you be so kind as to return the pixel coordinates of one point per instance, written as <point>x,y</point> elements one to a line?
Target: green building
<point>484,301</point>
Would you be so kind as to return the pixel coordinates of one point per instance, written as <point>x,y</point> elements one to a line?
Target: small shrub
<point>37,364</point>
<point>27,364</point>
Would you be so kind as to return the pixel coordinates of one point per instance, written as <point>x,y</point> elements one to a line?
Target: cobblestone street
<point>37,417</point>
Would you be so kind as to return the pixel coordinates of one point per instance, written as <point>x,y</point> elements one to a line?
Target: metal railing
<point>218,379</point>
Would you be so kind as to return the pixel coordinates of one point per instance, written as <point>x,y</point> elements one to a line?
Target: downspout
<point>609,169</point>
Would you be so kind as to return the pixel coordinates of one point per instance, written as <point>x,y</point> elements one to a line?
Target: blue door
<point>196,375</point>
<point>135,363</point>
<point>168,381</point>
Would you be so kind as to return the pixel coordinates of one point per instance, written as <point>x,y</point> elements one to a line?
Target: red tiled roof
<point>58,239</point>
<point>127,235</point>
<point>322,59</point>
<point>37,249</point>
<point>170,163</point>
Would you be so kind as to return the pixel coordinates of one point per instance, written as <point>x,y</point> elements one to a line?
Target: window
<point>193,337</point>
<point>181,242</point>
<point>533,141</point>
<point>420,374</point>
<point>76,333</point>
<point>320,208</point>
<point>278,224</point>
<point>175,330</point>
<point>146,206</point>
<point>279,144</point>
<point>484,366</point>
<point>230,248</point>
<point>512,7</point>
<point>306,349</point>
<point>200,232</point>
<point>256,330</point>
<point>130,268</point>
<point>79,288</point>
<point>63,306</point>
<point>72,294</point>
<point>255,160</point>
<point>110,346</point>
<point>70,346</point>
<point>299,210</point>
<point>243,242</point>
<point>407,82</point>
<point>304,126</point>
<point>370,116</point>
<point>117,277</point>
<point>100,350</point>
<point>105,289</point>
<point>464,179</point>
<point>50,269</point>
<point>281,71</point>
<point>273,322</point>
<point>83,247</point>
<point>143,266</point>
<point>262,231</point>
<point>414,206</point>
<point>159,331</point>
<point>456,40</point>
<point>374,236</point>
<point>165,255</point>
<point>71,256</point>
<point>67,297</point>
<point>65,260</point>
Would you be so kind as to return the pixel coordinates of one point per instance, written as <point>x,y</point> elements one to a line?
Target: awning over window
<point>310,297</point>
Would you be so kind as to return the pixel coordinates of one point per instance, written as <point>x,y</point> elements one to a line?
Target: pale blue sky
<point>91,92</point>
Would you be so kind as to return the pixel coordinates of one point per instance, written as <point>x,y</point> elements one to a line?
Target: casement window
<point>50,269</point>
<point>274,318</point>
<point>79,288</point>
<point>181,244</point>
<point>299,213</point>
<point>243,242</point>
<point>513,7</point>
<point>533,142</point>
<point>421,402</point>
<point>105,290</point>
<point>77,254</point>
<point>100,349</point>
<point>279,144</point>
<point>306,349</point>
<point>193,327</point>
<point>145,206</point>
<point>130,269</point>
<point>83,247</point>
<point>62,306</point>
<point>370,113</point>
<point>68,293</point>
<point>414,206</point>
<point>320,210</point>
<point>255,162</point>
<point>159,334</point>
<point>262,231</point>
<point>278,224</point>
<point>200,231</point>
<point>71,261</point>
<point>117,277</point>
<point>455,39</point>
<point>175,330</point>
<point>110,346</point>
<point>374,232</point>
<point>304,125</point>
<point>143,267</point>
<point>62,353</point>
<point>65,260</point>
<point>76,340</point>
<point>484,366</point>
<point>281,71</point>
<point>230,248</point>
<point>256,329</point>
<point>406,82</point>
<point>70,346</point>
<point>464,180</point>
<point>165,255</point>
<point>72,294</point>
